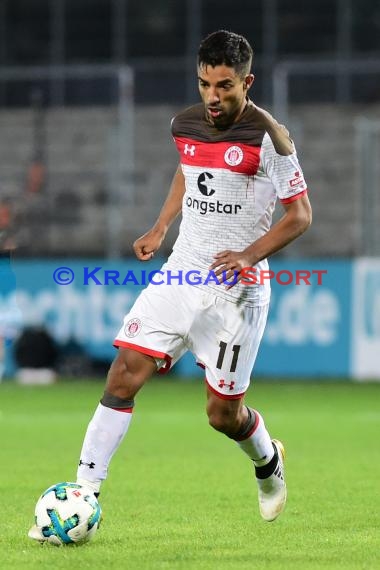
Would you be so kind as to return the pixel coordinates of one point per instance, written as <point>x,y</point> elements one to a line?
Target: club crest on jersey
<point>132,328</point>
<point>233,155</point>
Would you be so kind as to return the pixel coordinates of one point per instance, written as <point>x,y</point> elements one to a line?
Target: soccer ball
<point>66,513</point>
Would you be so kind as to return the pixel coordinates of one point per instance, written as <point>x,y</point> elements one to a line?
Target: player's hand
<point>228,265</point>
<point>146,246</point>
<point>279,134</point>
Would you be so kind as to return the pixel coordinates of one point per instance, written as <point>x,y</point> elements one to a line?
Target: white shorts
<point>167,320</point>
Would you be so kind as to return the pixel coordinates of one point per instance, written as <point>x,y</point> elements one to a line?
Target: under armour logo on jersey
<point>223,383</point>
<point>189,149</point>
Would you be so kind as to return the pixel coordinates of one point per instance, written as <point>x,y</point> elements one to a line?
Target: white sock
<point>258,445</point>
<point>104,434</point>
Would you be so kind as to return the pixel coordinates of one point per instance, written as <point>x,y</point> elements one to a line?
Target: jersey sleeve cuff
<point>293,198</point>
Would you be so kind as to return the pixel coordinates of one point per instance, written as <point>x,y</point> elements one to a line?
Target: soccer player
<point>235,161</point>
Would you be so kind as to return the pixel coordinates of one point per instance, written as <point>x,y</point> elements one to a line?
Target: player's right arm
<point>147,245</point>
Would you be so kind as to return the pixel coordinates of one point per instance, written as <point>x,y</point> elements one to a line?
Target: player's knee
<point>224,421</point>
<point>127,374</point>
<point>119,378</point>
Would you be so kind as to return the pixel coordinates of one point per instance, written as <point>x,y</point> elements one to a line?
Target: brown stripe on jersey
<point>193,124</point>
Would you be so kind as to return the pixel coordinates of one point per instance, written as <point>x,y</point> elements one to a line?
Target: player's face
<point>223,92</point>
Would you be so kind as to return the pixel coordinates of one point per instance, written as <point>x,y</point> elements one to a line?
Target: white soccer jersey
<point>233,178</point>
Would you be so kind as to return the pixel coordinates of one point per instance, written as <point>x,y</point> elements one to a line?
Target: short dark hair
<point>226,48</point>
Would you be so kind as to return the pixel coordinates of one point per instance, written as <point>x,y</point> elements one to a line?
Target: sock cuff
<point>250,427</point>
<point>119,404</point>
<point>266,470</point>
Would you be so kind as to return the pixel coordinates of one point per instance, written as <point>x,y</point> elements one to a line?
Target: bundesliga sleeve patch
<point>298,182</point>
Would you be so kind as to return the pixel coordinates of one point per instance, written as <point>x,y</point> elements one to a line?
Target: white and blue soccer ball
<point>66,513</point>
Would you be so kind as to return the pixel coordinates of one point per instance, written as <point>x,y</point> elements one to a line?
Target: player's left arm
<point>297,212</point>
<point>295,221</point>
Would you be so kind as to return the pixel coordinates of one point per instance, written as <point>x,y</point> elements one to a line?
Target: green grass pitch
<point>181,496</point>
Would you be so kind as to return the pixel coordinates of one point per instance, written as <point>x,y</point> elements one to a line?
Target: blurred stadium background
<point>87,91</point>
